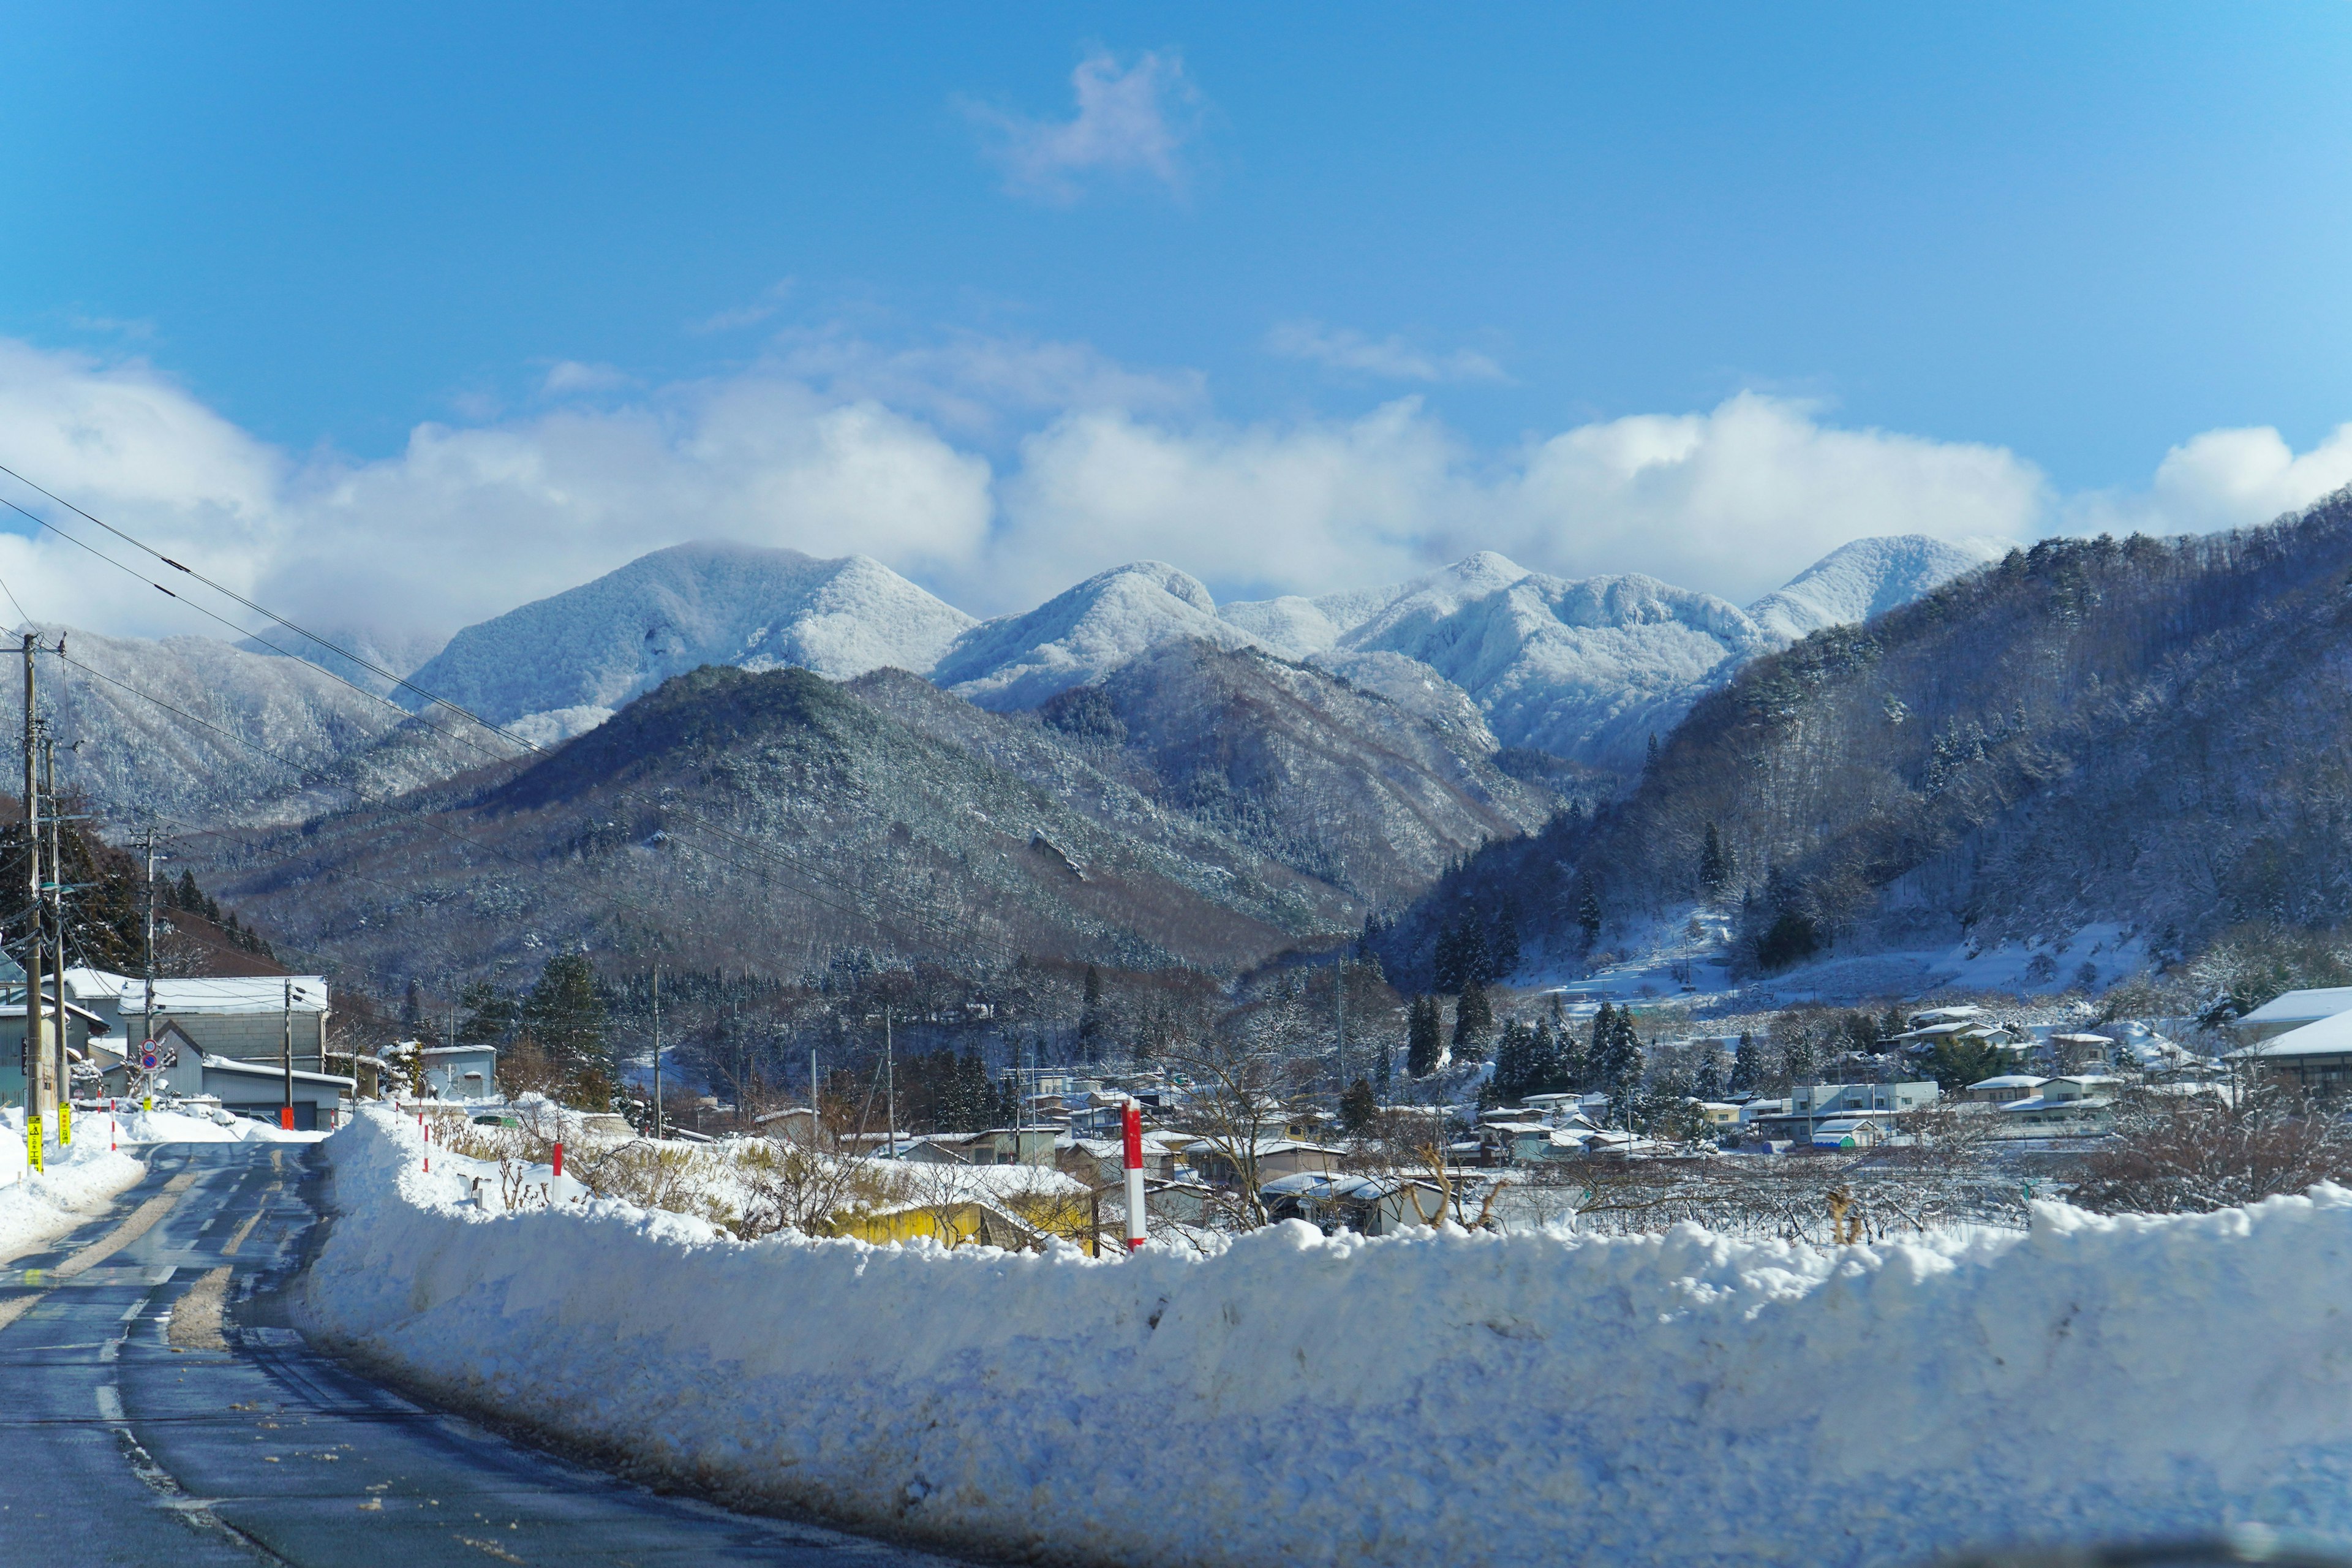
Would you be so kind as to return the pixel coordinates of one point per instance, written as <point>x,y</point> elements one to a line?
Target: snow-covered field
<point>1531,1398</point>
<point>37,1206</point>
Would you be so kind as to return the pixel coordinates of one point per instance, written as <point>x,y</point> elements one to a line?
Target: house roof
<point>2302,1006</point>
<point>275,1074</point>
<point>2009,1080</point>
<point>2330,1037</point>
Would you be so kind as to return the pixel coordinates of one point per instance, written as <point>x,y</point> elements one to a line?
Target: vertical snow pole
<point>555,1188</point>
<point>428,1143</point>
<point>1134,1174</point>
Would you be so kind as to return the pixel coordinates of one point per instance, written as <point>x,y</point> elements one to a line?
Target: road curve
<point>156,1409</point>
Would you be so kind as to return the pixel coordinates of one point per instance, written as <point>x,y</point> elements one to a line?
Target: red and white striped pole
<point>1134,1174</point>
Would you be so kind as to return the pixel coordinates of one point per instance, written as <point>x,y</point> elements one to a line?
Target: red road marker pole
<point>1134,1174</point>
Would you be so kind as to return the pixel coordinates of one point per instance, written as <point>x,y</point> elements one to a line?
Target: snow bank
<point>1680,1398</point>
<point>36,1207</point>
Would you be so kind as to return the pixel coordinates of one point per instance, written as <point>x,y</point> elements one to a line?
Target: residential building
<point>2292,1010</point>
<point>246,1019</point>
<point>2001,1090</point>
<point>460,1072</point>
<point>2316,1057</point>
<point>1368,1205</point>
<point>2079,1105</point>
<point>1849,1132</point>
<point>1810,1104</point>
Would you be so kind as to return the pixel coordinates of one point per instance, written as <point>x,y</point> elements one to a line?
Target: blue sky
<point>1076,282</point>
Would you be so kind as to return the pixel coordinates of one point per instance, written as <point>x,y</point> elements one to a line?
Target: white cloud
<point>569,375</point>
<point>2223,478</point>
<point>1130,121</point>
<point>1390,358</point>
<point>1738,498</point>
<point>836,445</point>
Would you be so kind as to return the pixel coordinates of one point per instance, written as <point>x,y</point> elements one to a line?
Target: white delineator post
<point>1134,1174</point>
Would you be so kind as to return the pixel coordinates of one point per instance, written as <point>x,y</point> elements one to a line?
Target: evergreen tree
<point>1571,1066</point>
<point>1707,1082</point>
<point>1747,1067</point>
<point>1425,1039</point>
<point>192,898</point>
<point>412,1012</point>
<point>1445,964</point>
<point>1714,864</point>
<point>1649,760</point>
<point>1504,956</point>
<point>566,1016</point>
<point>1616,1055</point>
<point>1357,1106</point>
<point>1473,1016</point>
<point>1588,914</point>
<point>1515,1064</point>
<point>489,1017</point>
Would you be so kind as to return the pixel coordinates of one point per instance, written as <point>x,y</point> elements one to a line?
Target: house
<point>1101,1161</point>
<point>1849,1132</point>
<point>2292,1010</point>
<point>1278,1157</point>
<point>794,1124</point>
<point>246,1019</point>
<point>460,1072</point>
<point>2078,1106</point>
<point>1810,1104</point>
<point>256,1089</point>
<point>1368,1205</point>
<point>2001,1090</point>
<point>2316,1057</point>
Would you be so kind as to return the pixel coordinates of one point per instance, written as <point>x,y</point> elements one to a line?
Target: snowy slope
<point>591,648</point>
<point>1674,1398</point>
<point>1584,667</point>
<point>251,728</point>
<point>1019,661</point>
<point>1865,578</point>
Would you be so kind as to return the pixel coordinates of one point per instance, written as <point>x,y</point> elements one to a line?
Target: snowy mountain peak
<point>1019,661</point>
<point>1864,578</point>
<point>593,648</point>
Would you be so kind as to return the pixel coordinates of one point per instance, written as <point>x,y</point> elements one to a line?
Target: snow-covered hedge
<point>1535,1398</point>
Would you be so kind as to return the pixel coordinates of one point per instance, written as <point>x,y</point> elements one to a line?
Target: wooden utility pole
<point>38,1087</point>
<point>891,1083</point>
<point>286,1117</point>
<point>64,1079</point>
<point>657,1103</point>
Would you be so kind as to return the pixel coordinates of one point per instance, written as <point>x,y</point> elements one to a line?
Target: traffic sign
<point>147,1057</point>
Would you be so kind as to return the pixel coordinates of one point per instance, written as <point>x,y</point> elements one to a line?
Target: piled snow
<point>1019,661</point>
<point>37,1206</point>
<point>1865,578</point>
<point>1526,1398</point>
<point>596,646</point>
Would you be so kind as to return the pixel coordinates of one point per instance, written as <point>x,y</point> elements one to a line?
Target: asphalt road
<point>238,1445</point>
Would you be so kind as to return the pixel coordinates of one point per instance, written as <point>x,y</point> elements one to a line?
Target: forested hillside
<point>2138,731</point>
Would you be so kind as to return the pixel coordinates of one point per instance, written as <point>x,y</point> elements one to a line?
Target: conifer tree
<point>1747,1067</point>
<point>1473,1016</point>
<point>1503,956</point>
<point>1587,915</point>
<point>1425,1040</point>
<point>566,1016</point>
<point>1714,863</point>
<point>411,1011</point>
<point>1357,1106</point>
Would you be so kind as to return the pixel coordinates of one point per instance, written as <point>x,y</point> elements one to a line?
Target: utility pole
<point>890,1082</point>
<point>57,929</point>
<point>286,1117</point>
<point>657,1103</point>
<point>1339,1000</point>
<point>147,1024</point>
<point>36,1055</point>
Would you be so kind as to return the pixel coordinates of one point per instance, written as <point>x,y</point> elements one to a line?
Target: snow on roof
<point>1947,1014</point>
<point>2302,1006</point>
<point>2083,1039</point>
<point>244,994</point>
<point>2329,1036</point>
<point>268,1070</point>
<point>2009,1080</point>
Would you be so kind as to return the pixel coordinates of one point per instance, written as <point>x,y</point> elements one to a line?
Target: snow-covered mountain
<point>564,664</point>
<point>1865,578</point>
<point>1585,668</point>
<point>1019,661</point>
<point>196,730</point>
